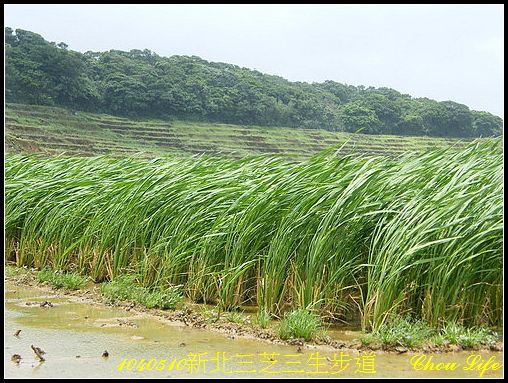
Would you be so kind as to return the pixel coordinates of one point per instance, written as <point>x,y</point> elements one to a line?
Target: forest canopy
<point>140,83</point>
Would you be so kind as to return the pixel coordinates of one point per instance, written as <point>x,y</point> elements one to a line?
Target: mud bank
<point>191,316</point>
<point>76,328</point>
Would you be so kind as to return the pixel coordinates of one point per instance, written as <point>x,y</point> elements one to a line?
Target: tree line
<point>140,83</point>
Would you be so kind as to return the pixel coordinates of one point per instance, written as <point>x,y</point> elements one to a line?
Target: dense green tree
<point>43,73</point>
<point>141,83</point>
<point>458,120</point>
<point>411,125</point>
<point>486,124</point>
<point>358,117</point>
<point>386,109</point>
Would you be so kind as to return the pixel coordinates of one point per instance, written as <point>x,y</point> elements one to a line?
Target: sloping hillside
<point>52,130</point>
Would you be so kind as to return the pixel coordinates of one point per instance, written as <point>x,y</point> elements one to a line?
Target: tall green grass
<point>347,236</point>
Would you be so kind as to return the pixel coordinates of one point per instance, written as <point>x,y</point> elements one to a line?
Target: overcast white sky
<point>444,52</point>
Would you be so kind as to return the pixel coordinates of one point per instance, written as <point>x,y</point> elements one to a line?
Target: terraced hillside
<point>30,128</point>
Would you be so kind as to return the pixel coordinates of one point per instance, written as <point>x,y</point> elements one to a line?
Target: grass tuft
<point>236,317</point>
<point>467,337</point>
<point>263,318</point>
<point>124,287</point>
<point>70,281</point>
<point>402,331</point>
<point>299,324</point>
<point>408,332</point>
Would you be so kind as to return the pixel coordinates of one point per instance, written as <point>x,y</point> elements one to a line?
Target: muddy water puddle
<point>75,335</point>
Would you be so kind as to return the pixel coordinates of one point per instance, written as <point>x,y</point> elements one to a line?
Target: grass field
<point>49,130</point>
<point>344,236</point>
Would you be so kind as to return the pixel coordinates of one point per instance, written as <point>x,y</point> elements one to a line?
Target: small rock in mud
<point>129,307</point>
<point>182,344</point>
<point>46,304</point>
<point>496,347</point>
<point>401,350</point>
<point>124,322</point>
<point>78,356</point>
<point>200,324</point>
<point>120,323</point>
<point>187,311</point>
<point>105,354</point>
<point>296,342</point>
<point>454,347</point>
<point>16,358</point>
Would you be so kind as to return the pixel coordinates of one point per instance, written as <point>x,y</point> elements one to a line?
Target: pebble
<point>401,350</point>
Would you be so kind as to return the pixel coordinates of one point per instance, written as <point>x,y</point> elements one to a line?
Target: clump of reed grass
<point>420,234</point>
